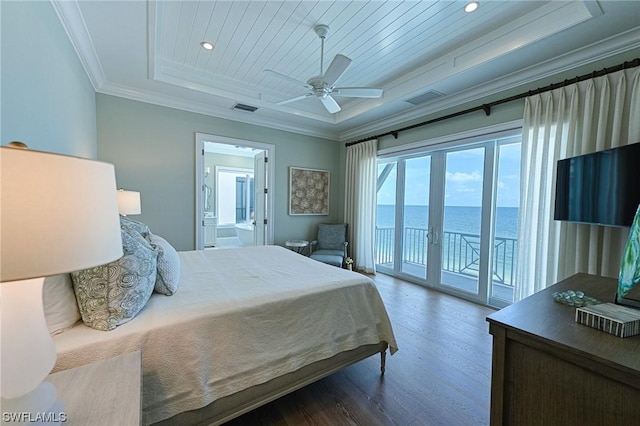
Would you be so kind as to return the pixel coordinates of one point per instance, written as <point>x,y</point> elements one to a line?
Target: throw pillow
<point>139,227</point>
<point>168,266</point>
<point>59,303</point>
<point>113,294</point>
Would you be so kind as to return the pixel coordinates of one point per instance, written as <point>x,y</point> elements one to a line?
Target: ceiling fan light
<point>206,45</point>
<point>471,6</point>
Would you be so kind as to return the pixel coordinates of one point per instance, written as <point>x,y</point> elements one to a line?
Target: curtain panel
<point>360,203</point>
<point>589,116</point>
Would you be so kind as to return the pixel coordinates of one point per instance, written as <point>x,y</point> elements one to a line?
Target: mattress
<point>240,317</point>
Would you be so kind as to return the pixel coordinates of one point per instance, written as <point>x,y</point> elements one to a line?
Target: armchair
<point>331,245</point>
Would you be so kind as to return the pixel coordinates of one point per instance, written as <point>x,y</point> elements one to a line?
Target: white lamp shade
<point>58,214</point>
<point>128,202</point>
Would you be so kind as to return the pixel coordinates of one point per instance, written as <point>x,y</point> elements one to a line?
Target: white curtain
<point>360,203</point>
<point>577,119</point>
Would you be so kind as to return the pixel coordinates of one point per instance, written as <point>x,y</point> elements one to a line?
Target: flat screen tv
<point>599,188</point>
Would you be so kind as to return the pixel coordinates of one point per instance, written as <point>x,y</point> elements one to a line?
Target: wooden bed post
<point>383,358</point>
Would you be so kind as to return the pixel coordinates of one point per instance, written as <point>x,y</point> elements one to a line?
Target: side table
<point>297,245</point>
<point>105,393</point>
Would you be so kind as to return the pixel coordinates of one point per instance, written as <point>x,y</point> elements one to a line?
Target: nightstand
<point>105,393</point>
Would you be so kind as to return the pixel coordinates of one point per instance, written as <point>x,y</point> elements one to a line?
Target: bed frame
<point>232,406</point>
<point>247,378</point>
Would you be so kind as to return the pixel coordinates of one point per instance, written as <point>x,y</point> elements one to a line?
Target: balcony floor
<point>455,280</point>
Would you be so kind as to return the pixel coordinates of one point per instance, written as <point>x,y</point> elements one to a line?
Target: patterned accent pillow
<point>113,294</point>
<point>168,266</point>
<point>139,227</point>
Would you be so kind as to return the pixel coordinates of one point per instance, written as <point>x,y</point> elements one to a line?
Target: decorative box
<point>620,321</point>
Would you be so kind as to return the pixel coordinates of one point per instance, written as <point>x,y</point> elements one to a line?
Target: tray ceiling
<point>426,55</point>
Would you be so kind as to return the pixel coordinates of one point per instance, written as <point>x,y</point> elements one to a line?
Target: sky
<point>463,182</point>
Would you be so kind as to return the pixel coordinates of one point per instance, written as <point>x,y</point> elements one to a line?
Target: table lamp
<point>57,214</point>
<point>128,202</point>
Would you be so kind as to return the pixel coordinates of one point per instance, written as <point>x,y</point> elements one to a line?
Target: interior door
<point>260,197</point>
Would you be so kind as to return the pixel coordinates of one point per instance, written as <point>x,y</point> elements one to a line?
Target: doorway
<point>234,192</point>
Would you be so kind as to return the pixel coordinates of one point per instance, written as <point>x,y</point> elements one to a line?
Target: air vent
<point>243,107</point>
<point>425,97</point>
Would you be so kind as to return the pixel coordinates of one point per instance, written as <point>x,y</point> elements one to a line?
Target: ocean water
<point>456,219</point>
<point>460,254</point>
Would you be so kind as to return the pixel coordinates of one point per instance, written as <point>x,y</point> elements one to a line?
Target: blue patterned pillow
<point>113,294</point>
<point>168,266</point>
<point>139,227</point>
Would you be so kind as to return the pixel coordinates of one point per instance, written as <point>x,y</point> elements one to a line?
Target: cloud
<point>474,176</point>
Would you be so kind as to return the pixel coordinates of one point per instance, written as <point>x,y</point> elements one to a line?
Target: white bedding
<point>240,317</point>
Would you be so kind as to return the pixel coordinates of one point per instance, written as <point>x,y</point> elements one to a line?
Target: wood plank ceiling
<point>426,55</point>
<point>384,39</point>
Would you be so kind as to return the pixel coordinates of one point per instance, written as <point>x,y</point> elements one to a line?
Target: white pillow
<point>168,266</point>
<point>59,302</point>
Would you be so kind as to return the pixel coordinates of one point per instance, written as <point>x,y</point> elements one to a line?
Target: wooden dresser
<point>549,370</point>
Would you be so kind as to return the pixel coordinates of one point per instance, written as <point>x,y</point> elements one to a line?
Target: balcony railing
<point>460,252</point>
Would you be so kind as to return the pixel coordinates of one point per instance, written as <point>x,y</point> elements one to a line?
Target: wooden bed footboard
<point>232,406</point>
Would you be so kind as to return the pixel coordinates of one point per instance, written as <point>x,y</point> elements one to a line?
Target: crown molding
<point>73,23</point>
<point>217,112</point>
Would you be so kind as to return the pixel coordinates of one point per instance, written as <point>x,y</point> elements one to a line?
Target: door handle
<point>433,236</point>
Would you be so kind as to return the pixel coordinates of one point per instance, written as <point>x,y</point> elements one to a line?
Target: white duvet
<point>240,317</point>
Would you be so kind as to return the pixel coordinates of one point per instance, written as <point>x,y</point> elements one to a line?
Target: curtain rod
<point>487,107</point>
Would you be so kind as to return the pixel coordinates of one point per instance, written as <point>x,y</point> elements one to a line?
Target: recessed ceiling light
<point>206,45</point>
<point>472,6</point>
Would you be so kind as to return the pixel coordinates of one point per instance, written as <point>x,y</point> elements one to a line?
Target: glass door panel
<point>460,239</point>
<point>505,240</point>
<point>386,216</point>
<point>415,217</point>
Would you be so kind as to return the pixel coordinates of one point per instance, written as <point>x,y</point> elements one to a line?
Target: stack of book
<point>620,321</point>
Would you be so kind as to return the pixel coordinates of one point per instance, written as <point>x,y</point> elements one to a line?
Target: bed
<point>245,327</point>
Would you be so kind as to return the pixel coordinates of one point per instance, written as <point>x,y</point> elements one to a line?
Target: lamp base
<point>38,407</point>
<point>27,355</point>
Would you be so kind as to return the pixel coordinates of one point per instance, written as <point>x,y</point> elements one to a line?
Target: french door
<point>439,221</point>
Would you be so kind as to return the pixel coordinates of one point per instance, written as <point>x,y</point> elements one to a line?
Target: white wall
<point>47,99</point>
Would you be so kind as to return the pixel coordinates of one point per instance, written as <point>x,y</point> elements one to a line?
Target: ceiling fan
<point>323,86</point>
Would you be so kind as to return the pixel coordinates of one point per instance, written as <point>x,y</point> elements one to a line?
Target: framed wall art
<point>308,191</point>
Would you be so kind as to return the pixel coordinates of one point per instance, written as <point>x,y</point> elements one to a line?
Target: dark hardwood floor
<point>440,376</point>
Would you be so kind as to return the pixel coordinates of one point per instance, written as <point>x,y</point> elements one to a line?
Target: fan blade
<point>297,98</point>
<point>330,104</point>
<point>290,79</point>
<point>358,92</point>
<point>336,69</point>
